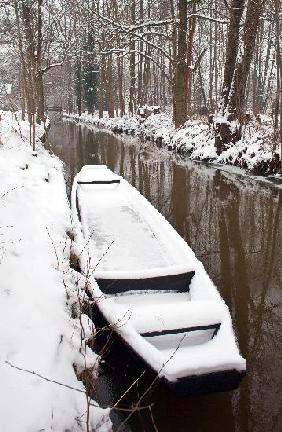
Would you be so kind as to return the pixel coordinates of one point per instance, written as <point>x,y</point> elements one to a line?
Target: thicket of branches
<point>190,57</point>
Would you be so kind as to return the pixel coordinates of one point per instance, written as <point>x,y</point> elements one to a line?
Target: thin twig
<point>152,384</point>
<point>10,190</point>
<point>54,247</point>
<point>45,378</point>
<point>129,388</point>
<point>153,420</point>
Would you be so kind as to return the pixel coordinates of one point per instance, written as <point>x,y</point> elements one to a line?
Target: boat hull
<point>136,252</point>
<point>214,382</point>
<point>189,386</point>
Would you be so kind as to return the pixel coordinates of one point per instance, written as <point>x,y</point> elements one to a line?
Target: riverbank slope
<point>257,152</point>
<point>40,343</point>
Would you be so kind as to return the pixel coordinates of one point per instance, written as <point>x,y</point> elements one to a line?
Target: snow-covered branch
<point>53,65</point>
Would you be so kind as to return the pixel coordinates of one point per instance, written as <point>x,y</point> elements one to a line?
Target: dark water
<point>234,225</point>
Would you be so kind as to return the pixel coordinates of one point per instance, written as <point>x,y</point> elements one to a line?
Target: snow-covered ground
<point>255,152</point>
<point>39,341</point>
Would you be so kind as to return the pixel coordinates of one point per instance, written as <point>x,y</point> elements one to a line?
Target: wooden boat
<point>150,288</point>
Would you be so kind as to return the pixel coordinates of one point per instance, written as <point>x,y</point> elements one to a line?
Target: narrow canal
<point>234,225</point>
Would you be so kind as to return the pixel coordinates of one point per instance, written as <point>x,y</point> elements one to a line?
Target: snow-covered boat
<point>150,288</point>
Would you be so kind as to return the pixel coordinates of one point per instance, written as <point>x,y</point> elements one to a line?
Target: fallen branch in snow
<point>52,381</point>
<point>90,273</point>
<point>46,379</point>
<point>10,190</point>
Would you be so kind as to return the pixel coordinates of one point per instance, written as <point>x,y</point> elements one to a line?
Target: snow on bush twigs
<point>256,152</point>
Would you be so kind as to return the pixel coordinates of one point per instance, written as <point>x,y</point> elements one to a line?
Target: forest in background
<point>215,58</point>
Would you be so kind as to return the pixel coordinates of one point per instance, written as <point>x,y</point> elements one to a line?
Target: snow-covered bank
<point>39,341</point>
<point>255,152</point>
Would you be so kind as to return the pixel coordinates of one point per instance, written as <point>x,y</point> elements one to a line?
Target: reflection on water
<point>234,226</point>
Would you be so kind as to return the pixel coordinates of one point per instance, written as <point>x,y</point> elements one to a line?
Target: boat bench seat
<point>97,174</point>
<point>177,283</point>
<point>156,319</point>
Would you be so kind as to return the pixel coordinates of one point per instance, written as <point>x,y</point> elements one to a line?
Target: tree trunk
<point>30,60</point>
<point>237,98</point>
<point>236,12</point>
<point>236,78</point>
<point>111,105</point>
<point>132,101</point>
<point>120,86</point>
<point>265,80</point>
<point>38,73</point>
<point>215,56</point>
<point>180,80</point>
<point>141,58</point>
<point>192,29</point>
<point>173,41</point>
<point>101,88</point>
<point>279,73</point>
<point>22,90</point>
<point>78,85</point>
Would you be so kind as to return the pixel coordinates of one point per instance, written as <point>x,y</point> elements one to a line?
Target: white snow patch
<point>37,333</point>
<point>196,138</point>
